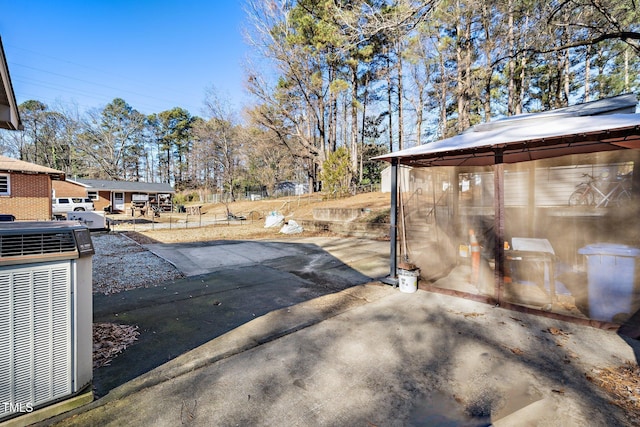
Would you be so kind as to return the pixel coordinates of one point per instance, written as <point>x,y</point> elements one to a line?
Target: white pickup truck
<point>61,205</point>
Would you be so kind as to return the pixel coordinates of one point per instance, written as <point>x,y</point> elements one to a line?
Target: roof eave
<point>626,137</point>
<point>9,113</point>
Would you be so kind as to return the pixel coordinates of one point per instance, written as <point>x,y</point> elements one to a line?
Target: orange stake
<point>475,258</point>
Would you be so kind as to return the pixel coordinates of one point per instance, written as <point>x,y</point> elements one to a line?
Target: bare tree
<point>597,21</point>
<point>219,139</point>
<point>109,136</point>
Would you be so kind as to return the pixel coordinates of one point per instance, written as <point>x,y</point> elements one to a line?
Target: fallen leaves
<point>110,339</point>
<point>516,351</point>
<point>557,332</point>
<point>623,383</point>
<point>562,337</point>
<point>466,315</point>
<point>520,322</point>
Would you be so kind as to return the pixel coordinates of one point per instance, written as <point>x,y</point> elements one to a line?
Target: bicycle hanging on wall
<point>602,193</point>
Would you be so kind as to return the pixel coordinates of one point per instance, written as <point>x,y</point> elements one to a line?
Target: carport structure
<point>509,183</point>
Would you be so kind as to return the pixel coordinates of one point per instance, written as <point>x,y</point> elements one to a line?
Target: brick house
<point>25,189</point>
<point>117,196</point>
<point>69,188</point>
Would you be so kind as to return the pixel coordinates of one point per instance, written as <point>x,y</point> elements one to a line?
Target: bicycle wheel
<point>581,197</point>
<point>623,198</point>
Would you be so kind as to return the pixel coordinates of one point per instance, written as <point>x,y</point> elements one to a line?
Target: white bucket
<point>408,280</point>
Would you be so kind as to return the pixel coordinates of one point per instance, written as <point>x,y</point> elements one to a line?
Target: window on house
<point>93,195</point>
<point>5,185</point>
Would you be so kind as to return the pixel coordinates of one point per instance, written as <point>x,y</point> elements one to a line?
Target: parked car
<point>62,205</point>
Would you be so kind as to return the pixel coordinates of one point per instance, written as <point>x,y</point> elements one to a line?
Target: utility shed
<point>551,200</point>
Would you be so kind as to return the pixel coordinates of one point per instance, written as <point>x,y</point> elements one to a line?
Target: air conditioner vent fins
<point>47,243</point>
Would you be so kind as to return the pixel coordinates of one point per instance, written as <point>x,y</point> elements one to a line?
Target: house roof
<point>586,128</point>
<point>8,164</point>
<point>72,181</point>
<point>126,186</point>
<point>9,115</point>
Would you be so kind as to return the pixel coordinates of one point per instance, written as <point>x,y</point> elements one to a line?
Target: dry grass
<point>238,231</point>
<point>255,211</point>
<point>297,207</point>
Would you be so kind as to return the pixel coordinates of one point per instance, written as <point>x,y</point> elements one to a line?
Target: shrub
<point>335,174</point>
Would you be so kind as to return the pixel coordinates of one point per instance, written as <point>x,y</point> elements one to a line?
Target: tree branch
<point>626,36</point>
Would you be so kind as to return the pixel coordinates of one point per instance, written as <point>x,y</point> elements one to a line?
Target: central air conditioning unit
<point>95,221</point>
<point>45,315</point>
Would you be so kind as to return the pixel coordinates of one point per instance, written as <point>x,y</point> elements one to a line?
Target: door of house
<point>118,201</point>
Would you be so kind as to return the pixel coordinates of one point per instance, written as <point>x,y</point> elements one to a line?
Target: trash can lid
<point>613,249</point>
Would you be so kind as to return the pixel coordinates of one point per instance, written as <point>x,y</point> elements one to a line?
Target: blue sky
<point>156,55</point>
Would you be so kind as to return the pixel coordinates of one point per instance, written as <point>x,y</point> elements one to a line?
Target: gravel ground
<point>120,264</point>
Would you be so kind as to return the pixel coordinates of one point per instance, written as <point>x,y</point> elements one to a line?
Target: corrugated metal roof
<point>127,186</point>
<point>8,164</point>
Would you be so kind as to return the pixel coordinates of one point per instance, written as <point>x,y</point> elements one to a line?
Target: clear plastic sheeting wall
<point>571,237</point>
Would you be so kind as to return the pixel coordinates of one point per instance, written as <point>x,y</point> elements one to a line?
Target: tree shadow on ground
<point>177,316</point>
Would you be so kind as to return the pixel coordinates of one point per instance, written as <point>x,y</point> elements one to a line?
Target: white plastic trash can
<point>611,272</point>
<point>408,280</point>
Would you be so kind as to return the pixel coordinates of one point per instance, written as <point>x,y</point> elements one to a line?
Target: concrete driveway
<point>361,257</point>
<point>228,284</point>
<point>364,355</point>
<point>372,356</point>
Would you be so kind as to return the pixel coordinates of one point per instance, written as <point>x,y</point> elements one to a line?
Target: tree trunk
<point>400,105</point>
<point>626,69</point>
<point>442,101</point>
<point>511,64</point>
<point>523,85</point>
<point>354,122</point>
<point>486,96</point>
<point>567,75</point>
<point>389,102</point>
<point>459,82</point>
<point>362,125</point>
